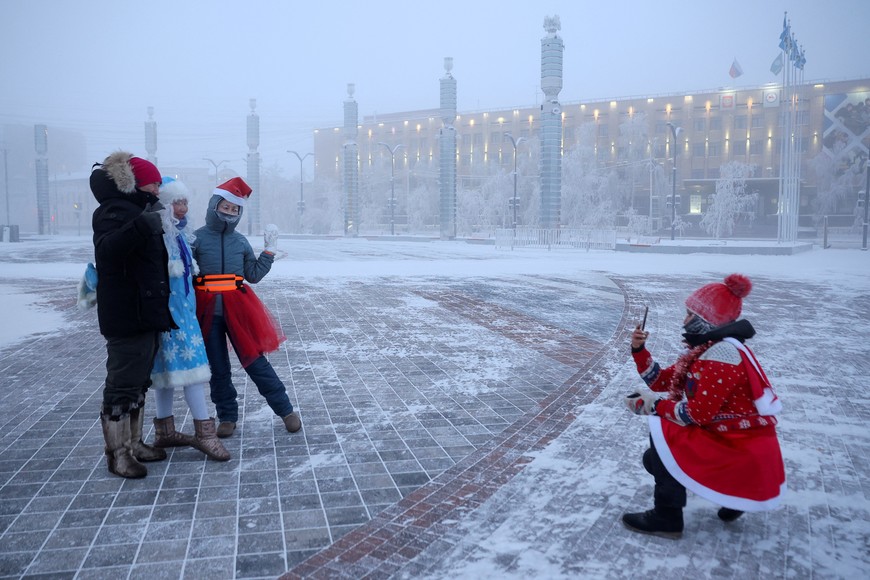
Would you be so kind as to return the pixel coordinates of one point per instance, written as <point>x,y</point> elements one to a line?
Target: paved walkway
<point>424,405</point>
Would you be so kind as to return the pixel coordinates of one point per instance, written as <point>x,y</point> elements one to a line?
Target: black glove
<point>149,222</point>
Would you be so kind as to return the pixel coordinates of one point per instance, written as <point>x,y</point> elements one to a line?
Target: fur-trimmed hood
<point>114,179</point>
<point>117,166</point>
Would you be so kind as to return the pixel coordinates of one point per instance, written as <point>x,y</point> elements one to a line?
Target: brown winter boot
<point>292,422</point>
<point>225,429</point>
<point>141,451</point>
<point>118,452</point>
<point>165,434</point>
<point>206,440</point>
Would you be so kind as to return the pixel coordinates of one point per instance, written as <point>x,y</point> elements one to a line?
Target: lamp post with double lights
<point>675,131</point>
<point>216,167</point>
<point>392,185</point>
<point>515,201</point>
<point>301,204</point>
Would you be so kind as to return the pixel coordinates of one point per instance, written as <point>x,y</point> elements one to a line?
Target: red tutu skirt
<point>252,328</point>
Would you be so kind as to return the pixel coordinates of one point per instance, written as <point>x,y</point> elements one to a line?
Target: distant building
<point>718,127</point>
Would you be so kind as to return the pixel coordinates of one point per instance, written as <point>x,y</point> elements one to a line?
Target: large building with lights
<point>718,126</point>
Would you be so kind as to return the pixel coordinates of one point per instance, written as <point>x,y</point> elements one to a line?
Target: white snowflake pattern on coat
<point>181,359</point>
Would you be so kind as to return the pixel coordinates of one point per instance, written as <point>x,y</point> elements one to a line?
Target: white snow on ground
<point>561,492</point>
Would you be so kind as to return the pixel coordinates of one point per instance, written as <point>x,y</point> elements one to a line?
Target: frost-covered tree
<point>633,162</point>
<point>587,187</point>
<point>731,202</point>
<point>423,198</point>
<point>835,179</point>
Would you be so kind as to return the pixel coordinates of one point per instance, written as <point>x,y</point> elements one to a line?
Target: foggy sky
<point>95,66</point>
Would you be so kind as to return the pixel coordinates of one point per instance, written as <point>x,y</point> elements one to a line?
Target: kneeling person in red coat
<point>711,416</point>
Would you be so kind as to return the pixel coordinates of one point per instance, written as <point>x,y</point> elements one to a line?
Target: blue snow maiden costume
<point>181,359</point>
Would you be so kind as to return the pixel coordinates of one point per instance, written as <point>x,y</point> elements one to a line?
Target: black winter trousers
<point>129,362</point>
<point>669,493</point>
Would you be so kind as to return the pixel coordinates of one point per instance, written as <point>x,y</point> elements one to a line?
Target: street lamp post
<point>216,167</point>
<point>674,131</point>
<point>301,203</point>
<point>392,185</point>
<point>6,180</point>
<point>515,201</point>
<point>866,204</point>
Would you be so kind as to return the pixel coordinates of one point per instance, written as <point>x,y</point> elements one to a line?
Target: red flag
<point>736,69</point>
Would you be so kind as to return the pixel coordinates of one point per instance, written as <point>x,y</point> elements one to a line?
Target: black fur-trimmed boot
<point>660,521</point>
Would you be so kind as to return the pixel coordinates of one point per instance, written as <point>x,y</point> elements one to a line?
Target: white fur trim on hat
<point>173,191</point>
<point>239,201</point>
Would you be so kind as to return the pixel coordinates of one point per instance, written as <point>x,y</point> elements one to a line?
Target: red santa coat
<point>715,441</point>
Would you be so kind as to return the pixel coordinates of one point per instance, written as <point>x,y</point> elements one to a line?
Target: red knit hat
<point>234,191</point>
<point>145,171</point>
<point>720,303</point>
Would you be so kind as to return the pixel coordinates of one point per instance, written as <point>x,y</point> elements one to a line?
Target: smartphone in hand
<point>645,311</point>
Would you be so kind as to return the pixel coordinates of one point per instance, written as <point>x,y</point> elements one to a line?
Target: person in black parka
<point>132,301</point>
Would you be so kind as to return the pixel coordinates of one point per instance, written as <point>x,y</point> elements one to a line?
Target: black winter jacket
<point>131,259</point>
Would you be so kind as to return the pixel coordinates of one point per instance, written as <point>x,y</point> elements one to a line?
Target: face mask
<point>225,217</point>
<point>697,325</point>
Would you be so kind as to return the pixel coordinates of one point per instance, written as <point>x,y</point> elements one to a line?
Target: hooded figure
<point>712,416</point>
<point>133,305</point>
<point>227,307</point>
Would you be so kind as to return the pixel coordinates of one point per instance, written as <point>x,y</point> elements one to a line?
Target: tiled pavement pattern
<point>420,400</point>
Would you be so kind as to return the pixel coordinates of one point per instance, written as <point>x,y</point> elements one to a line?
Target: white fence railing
<point>555,238</point>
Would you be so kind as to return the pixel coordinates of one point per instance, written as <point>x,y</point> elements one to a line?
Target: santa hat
<point>720,303</point>
<point>172,190</point>
<point>146,172</point>
<point>234,191</point>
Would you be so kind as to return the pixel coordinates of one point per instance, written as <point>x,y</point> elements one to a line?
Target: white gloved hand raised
<point>642,402</point>
<point>270,238</point>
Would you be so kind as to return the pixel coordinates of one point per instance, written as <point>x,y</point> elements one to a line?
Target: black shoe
<point>728,514</point>
<point>665,523</point>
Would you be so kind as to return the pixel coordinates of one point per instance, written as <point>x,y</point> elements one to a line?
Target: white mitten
<point>642,402</point>
<point>270,238</point>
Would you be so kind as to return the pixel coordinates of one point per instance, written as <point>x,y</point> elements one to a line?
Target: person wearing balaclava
<point>133,301</point>
<point>712,416</point>
<point>228,307</point>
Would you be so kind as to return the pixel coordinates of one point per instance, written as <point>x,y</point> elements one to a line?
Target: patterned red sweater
<point>716,388</point>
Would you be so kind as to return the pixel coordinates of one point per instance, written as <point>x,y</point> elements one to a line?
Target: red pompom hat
<point>144,171</point>
<point>720,303</point>
<point>234,191</point>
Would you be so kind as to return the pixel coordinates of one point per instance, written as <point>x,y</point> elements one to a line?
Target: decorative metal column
<point>447,153</point>
<point>351,165</point>
<point>552,49</point>
<point>151,136</point>
<point>253,210</point>
<point>43,212</point>
<point>790,157</point>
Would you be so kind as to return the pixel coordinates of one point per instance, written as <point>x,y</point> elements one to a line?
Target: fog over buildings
<point>90,72</point>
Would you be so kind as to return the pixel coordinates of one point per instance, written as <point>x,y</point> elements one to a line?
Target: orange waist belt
<point>218,282</point>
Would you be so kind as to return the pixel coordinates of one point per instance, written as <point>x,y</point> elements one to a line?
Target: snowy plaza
<point>463,417</point>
